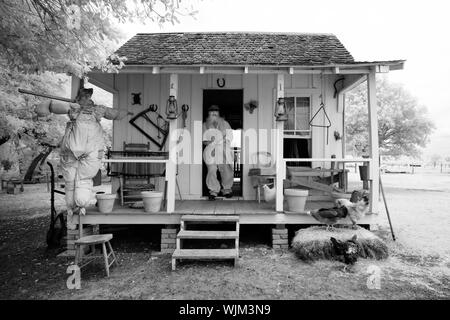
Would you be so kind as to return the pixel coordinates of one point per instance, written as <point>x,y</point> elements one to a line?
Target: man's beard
<point>213,121</point>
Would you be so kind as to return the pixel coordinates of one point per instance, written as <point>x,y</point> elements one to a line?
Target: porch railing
<point>237,166</point>
<point>368,161</point>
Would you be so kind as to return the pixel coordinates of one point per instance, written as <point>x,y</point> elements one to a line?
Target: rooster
<point>329,216</point>
<point>357,208</point>
<point>269,194</point>
<point>346,251</point>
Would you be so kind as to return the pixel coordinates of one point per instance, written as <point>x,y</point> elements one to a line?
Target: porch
<point>249,212</point>
<point>288,107</point>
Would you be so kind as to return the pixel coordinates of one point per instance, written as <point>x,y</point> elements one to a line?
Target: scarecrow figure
<point>218,155</point>
<point>81,147</point>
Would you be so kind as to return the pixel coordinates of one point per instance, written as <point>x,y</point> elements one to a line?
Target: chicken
<point>329,216</point>
<point>269,194</point>
<point>346,251</point>
<point>356,210</point>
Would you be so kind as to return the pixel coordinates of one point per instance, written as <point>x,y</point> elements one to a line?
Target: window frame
<point>296,133</point>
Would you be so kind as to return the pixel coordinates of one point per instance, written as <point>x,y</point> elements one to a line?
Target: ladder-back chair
<point>136,177</point>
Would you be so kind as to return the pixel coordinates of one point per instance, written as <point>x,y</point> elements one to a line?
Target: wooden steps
<point>209,218</point>
<point>200,234</point>
<point>206,254</point>
<point>198,254</point>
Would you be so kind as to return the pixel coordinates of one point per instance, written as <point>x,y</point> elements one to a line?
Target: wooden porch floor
<point>218,207</point>
<point>250,212</point>
<point>234,207</point>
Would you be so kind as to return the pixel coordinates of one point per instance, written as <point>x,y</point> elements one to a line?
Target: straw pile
<point>314,243</point>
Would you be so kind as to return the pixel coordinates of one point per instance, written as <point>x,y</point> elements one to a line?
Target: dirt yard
<point>418,268</point>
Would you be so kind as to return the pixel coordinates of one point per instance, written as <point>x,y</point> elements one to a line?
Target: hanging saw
<point>161,129</point>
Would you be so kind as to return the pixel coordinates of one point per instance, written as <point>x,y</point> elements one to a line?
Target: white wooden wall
<point>154,88</point>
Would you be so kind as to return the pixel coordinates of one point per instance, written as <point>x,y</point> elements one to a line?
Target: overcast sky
<point>417,31</point>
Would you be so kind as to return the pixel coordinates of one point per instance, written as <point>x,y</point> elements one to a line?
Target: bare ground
<point>418,268</point>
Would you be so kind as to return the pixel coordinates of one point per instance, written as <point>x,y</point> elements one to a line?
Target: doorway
<point>230,103</point>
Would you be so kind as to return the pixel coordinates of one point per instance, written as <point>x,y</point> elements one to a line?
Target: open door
<point>230,103</point>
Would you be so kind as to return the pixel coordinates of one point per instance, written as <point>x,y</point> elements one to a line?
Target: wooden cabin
<point>246,74</point>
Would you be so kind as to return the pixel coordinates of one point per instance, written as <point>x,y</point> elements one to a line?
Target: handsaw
<point>163,130</point>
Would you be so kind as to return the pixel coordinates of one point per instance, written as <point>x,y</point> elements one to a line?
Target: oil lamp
<point>172,108</point>
<point>280,110</point>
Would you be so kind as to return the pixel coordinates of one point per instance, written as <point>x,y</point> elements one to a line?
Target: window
<point>298,110</point>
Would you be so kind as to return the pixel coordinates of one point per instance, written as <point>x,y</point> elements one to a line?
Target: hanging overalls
<point>81,149</point>
<point>220,135</point>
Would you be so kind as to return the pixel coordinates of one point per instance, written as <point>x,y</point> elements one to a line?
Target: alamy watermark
<point>374,280</point>
<point>187,146</point>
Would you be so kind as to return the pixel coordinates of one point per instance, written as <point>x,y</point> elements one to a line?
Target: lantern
<point>280,110</point>
<point>172,108</point>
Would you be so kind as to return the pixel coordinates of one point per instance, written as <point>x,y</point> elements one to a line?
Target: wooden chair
<point>135,177</point>
<point>91,241</point>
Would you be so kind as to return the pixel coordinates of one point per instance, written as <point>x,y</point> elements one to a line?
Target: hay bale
<point>314,243</point>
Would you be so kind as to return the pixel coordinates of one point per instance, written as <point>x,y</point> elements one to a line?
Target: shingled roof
<point>234,48</point>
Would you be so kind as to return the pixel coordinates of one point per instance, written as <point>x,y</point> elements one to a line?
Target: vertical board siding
<point>334,147</point>
<point>154,89</point>
<point>184,97</point>
<point>121,126</point>
<point>250,121</point>
<point>152,93</point>
<point>135,85</point>
<point>198,83</point>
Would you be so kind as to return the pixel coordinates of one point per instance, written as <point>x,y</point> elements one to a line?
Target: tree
<point>23,134</point>
<point>435,158</point>
<point>74,36</point>
<point>40,40</point>
<point>403,126</point>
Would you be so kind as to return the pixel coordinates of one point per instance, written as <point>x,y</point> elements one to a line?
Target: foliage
<point>73,36</point>
<point>19,126</point>
<point>40,40</point>
<point>403,126</point>
<point>17,120</point>
<point>6,164</point>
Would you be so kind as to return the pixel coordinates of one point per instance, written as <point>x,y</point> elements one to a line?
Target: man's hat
<point>213,107</point>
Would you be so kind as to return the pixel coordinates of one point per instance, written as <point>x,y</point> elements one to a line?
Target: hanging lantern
<point>172,108</point>
<point>280,110</point>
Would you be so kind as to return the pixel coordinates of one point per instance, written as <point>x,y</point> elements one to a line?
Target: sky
<point>417,31</point>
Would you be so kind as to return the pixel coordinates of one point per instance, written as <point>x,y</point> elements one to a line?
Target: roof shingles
<point>234,48</point>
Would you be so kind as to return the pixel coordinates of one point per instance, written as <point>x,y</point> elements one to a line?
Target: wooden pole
<point>374,169</point>
<point>172,163</point>
<point>43,95</point>
<point>280,165</point>
<point>387,210</point>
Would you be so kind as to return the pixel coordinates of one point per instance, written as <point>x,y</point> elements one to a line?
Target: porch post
<point>280,167</point>
<point>171,166</point>
<point>373,137</point>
